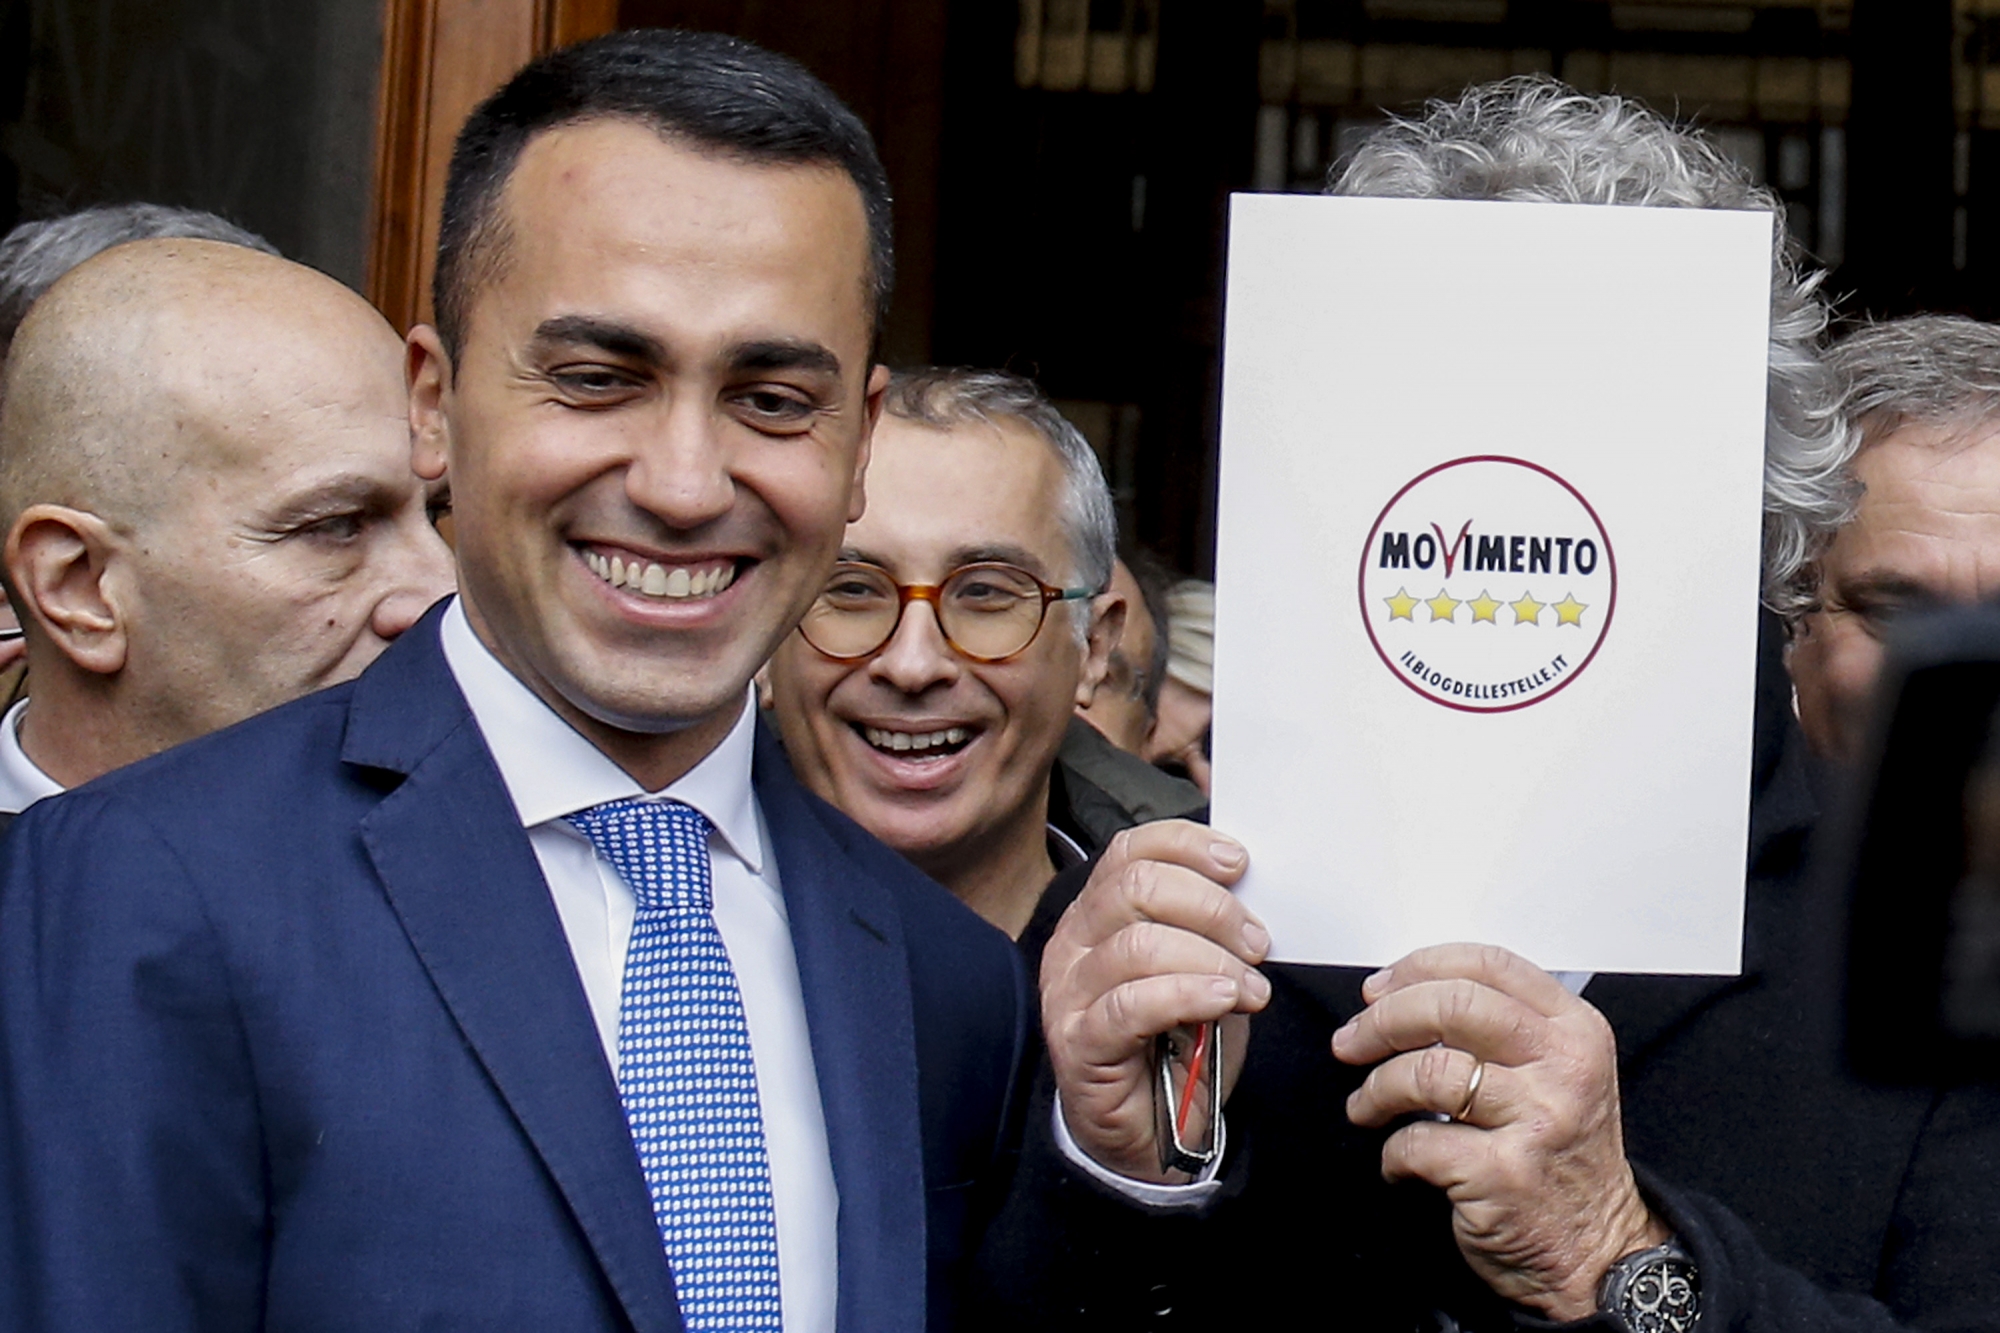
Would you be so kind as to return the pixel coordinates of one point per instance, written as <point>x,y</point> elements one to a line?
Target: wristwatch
<point>1652,1291</point>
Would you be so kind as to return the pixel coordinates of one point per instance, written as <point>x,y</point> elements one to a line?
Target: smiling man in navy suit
<point>352,1017</point>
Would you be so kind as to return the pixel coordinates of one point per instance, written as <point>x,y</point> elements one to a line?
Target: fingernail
<point>1256,939</point>
<point>1377,980</point>
<point>1343,1033</point>
<point>1257,985</point>
<point>1227,854</point>
<point>1224,987</point>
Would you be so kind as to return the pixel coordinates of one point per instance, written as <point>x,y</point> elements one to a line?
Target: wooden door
<point>440,59</point>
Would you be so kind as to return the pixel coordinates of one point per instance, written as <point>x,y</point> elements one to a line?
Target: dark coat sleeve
<point>1940,1259</point>
<point>131,1192</point>
<point>1745,1289</point>
<point>1942,1281</point>
<point>1943,1261</point>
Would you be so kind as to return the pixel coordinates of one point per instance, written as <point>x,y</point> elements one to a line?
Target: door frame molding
<point>440,59</point>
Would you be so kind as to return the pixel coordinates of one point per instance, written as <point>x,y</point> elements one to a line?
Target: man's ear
<point>878,387</point>
<point>1798,626</point>
<point>61,562</point>
<point>427,370</point>
<point>1107,627</point>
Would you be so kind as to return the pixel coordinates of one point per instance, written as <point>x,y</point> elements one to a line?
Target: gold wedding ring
<point>1464,1112</point>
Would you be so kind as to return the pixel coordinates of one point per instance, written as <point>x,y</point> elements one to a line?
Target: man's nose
<point>680,473</point>
<point>916,656</point>
<point>420,571</point>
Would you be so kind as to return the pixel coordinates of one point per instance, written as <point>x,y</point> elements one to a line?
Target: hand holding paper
<point>1533,1158</point>
<point>1155,941</point>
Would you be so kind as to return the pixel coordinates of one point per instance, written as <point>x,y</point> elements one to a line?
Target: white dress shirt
<point>21,783</point>
<point>551,771</point>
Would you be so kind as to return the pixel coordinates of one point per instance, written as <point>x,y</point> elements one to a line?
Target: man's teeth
<point>653,580</point>
<point>916,742</point>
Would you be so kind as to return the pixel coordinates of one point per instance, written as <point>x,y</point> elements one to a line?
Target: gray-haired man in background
<point>1910,518</point>
<point>1123,710</point>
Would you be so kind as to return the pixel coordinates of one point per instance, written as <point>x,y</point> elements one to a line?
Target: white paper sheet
<point>1554,754</point>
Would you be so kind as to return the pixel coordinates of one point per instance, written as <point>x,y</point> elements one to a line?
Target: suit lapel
<point>462,877</point>
<point>847,936</point>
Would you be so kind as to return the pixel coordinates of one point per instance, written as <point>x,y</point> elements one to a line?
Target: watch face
<point>1661,1297</point>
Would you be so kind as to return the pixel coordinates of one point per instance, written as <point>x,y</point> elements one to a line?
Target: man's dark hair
<point>1156,579</point>
<point>714,93</point>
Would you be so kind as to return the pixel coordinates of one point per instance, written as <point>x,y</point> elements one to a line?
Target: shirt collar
<point>551,770</point>
<point>22,783</point>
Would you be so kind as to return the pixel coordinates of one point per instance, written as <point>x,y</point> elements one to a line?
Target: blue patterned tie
<point>685,1072</point>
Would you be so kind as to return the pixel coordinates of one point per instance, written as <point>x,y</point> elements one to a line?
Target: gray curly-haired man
<point>1910,518</point>
<point>1660,1153</point>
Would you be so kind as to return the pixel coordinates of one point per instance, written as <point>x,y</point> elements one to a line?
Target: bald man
<point>208,503</point>
<point>33,257</point>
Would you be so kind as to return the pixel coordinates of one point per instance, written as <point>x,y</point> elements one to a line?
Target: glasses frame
<point>929,592</point>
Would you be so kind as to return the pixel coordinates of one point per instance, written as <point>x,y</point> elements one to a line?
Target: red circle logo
<point>1487,584</point>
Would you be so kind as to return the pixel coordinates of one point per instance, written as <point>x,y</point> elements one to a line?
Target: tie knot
<point>660,848</point>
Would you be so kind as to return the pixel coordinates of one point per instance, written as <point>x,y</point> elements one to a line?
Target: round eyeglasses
<point>987,612</point>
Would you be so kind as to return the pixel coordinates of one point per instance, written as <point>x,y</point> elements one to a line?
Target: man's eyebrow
<point>1884,583</point>
<point>332,496</point>
<point>783,354</point>
<point>998,553</point>
<point>604,334</point>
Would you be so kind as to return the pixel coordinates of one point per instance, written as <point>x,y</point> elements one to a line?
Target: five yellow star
<point>1527,611</point>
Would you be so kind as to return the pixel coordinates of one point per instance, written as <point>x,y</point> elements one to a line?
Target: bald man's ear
<point>58,560</point>
<point>427,370</point>
<point>1107,627</point>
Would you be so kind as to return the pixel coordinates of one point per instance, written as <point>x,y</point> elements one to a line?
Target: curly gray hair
<point>1535,138</point>
<point>1934,370</point>
<point>944,396</point>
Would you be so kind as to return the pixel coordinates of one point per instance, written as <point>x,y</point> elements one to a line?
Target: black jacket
<point>1097,790</point>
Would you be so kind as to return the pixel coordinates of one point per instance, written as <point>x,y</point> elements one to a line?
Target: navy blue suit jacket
<point>291,1038</point>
